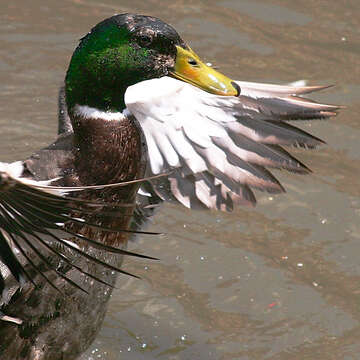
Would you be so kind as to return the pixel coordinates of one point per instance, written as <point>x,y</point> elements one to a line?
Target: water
<point>281,281</point>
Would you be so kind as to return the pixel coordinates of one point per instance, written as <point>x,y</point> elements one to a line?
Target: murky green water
<point>281,281</point>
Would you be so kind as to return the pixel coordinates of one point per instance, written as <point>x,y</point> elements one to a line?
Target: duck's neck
<point>110,145</point>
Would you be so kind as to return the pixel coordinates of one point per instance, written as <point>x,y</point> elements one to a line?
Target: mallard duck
<point>141,103</point>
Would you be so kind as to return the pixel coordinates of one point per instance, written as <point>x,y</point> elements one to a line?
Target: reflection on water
<point>277,282</point>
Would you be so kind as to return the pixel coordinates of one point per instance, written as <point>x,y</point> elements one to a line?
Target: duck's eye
<point>144,40</point>
<point>192,62</point>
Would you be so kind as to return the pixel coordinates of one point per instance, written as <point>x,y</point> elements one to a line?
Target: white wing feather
<point>219,145</point>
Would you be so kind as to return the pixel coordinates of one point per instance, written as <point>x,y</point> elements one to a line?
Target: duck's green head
<point>126,49</point>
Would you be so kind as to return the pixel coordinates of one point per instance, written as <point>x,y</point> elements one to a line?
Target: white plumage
<point>217,147</point>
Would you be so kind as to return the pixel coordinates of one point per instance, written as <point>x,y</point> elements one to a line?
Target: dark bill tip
<point>237,87</point>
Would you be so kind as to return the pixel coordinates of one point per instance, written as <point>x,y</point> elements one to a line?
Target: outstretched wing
<point>219,148</point>
<point>31,211</point>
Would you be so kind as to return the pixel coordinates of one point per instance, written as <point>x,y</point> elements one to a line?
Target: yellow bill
<point>191,69</point>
